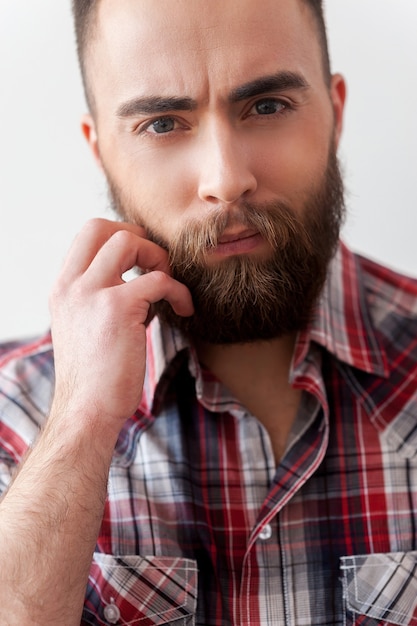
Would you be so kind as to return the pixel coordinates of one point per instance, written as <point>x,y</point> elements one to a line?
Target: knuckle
<point>159,279</point>
<point>66,292</point>
<point>121,238</point>
<point>57,291</point>
<point>95,223</point>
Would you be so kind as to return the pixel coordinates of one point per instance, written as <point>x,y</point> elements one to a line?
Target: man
<point>231,434</point>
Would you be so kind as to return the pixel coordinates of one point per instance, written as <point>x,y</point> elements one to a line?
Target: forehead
<point>198,46</point>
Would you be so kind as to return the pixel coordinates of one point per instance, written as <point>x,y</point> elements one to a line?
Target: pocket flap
<point>382,586</point>
<point>141,590</point>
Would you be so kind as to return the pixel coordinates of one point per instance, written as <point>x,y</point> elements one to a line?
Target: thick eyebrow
<point>281,81</point>
<point>151,105</point>
<point>155,104</point>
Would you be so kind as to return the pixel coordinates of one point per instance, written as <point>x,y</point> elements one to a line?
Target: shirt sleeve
<point>7,469</point>
<point>26,382</point>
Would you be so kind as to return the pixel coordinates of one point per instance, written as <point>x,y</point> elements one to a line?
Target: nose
<point>225,174</point>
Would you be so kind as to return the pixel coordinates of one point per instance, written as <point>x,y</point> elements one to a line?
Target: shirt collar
<point>341,324</point>
<point>166,350</point>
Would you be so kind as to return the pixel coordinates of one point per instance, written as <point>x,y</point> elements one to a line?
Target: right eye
<point>161,126</point>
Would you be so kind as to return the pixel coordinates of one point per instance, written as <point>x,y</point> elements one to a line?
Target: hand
<point>98,320</point>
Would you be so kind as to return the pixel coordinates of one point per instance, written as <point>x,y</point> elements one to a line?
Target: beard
<point>248,298</point>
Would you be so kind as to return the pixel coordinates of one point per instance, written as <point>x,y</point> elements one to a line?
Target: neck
<point>257,375</point>
<point>258,358</point>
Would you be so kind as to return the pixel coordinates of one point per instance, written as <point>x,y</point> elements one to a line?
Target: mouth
<point>237,236</point>
<point>230,244</point>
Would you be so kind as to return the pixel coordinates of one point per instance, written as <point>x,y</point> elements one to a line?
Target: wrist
<point>82,427</point>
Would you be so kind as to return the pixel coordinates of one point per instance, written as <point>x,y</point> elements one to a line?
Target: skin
<point>222,151</point>
<point>218,153</point>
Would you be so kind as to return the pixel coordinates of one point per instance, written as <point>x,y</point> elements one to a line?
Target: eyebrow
<point>155,104</point>
<point>281,81</point>
<point>150,105</point>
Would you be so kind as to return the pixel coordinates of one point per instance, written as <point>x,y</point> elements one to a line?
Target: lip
<point>237,236</point>
<point>232,244</point>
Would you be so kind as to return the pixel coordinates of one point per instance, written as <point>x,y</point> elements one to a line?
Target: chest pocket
<point>381,589</point>
<point>143,591</point>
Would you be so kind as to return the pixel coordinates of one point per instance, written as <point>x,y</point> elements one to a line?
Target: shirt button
<point>111,614</point>
<point>266,533</point>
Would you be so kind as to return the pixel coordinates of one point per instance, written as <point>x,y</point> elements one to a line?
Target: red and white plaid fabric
<point>201,527</point>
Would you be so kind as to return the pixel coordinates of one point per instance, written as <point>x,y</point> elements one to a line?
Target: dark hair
<point>316,7</point>
<point>84,19</point>
<point>84,12</point>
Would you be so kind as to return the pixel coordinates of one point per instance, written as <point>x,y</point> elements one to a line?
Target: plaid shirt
<point>201,527</point>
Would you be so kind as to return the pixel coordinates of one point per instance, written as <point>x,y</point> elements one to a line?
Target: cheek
<point>301,158</point>
<point>155,179</point>
<point>289,168</point>
<point>153,189</point>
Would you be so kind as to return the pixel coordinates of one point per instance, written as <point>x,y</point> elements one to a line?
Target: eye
<point>161,125</point>
<point>269,106</point>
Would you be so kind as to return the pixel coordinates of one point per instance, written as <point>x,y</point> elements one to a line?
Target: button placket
<point>266,533</point>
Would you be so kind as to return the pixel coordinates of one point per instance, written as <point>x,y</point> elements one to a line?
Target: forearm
<point>49,522</point>
<point>51,515</point>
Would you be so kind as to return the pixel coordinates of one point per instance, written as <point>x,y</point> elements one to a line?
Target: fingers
<point>95,234</point>
<point>156,286</point>
<point>103,319</point>
<point>100,255</point>
<point>123,251</point>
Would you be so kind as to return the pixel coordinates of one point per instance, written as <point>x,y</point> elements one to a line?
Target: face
<point>215,126</point>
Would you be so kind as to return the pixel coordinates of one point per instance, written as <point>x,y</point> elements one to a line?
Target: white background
<point>49,185</point>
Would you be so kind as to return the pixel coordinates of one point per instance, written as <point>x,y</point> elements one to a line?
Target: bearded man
<point>228,437</point>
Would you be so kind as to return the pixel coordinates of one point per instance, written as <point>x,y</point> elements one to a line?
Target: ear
<point>88,128</point>
<point>338,96</point>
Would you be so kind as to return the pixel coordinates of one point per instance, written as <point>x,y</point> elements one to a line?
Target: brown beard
<point>247,298</point>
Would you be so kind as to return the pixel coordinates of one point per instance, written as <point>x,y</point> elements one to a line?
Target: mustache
<point>277,224</point>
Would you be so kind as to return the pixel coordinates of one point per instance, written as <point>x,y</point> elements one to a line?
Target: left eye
<point>269,106</point>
